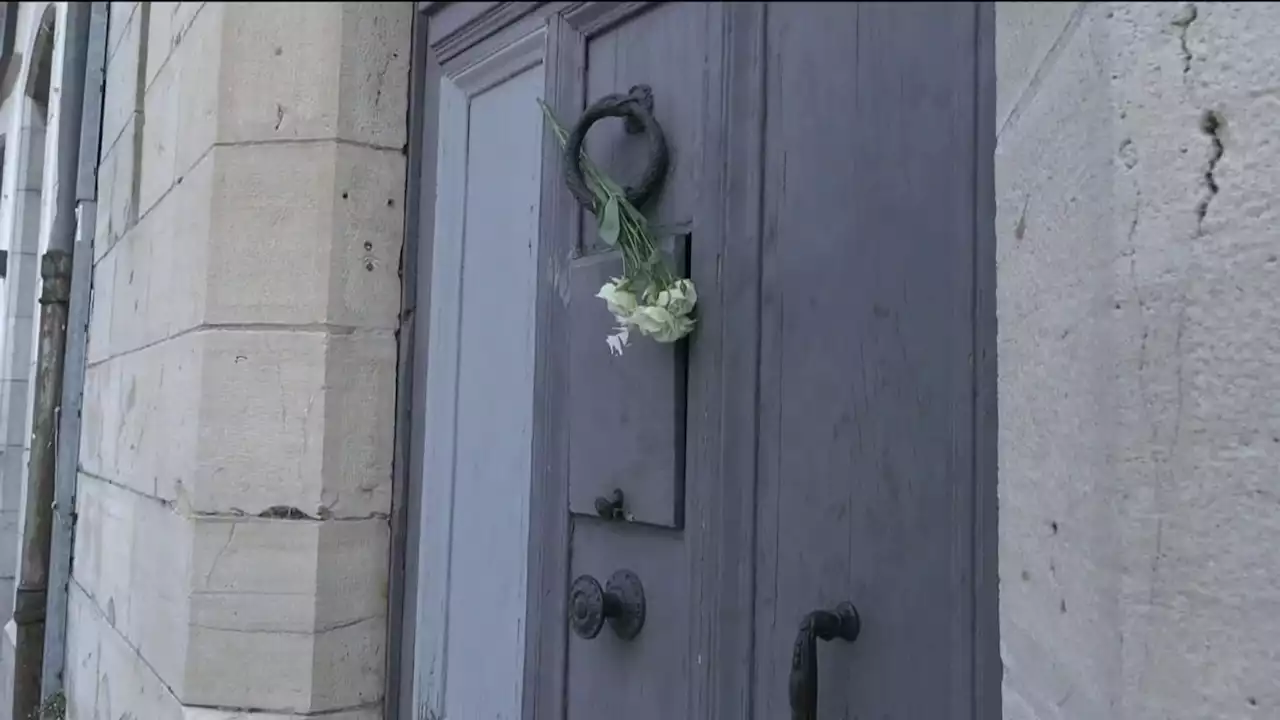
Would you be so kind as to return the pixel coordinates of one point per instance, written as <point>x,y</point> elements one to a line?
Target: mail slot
<point>626,412</point>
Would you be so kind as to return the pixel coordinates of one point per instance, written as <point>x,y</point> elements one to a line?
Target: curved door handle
<point>842,623</point>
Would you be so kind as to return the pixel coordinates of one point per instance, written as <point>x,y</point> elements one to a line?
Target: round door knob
<point>620,602</point>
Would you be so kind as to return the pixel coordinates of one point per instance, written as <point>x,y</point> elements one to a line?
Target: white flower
<point>618,339</point>
<point>680,297</point>
<point>651,318</point>
<point>660,324</point>
<point>620,301</point>
<point>659,312</point>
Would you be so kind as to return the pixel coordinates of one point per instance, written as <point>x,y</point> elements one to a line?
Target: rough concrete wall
<point>1137,174</point>
<point>232,537</point>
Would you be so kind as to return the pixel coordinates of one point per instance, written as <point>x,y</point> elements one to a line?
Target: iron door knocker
<point>636,107</point>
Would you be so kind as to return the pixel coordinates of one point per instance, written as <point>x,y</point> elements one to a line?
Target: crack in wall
<point>1042,70</point>
<point>1211,124</point>
<point>1183,23</point>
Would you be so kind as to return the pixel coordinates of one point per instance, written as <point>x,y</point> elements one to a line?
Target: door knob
<point>842,623</point>
<point>621,602</point>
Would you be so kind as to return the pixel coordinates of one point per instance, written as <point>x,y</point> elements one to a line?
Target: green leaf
<point>609,223</point>
<point>656,257</point>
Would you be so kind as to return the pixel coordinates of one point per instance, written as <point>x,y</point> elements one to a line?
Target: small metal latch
<point>612,507</point>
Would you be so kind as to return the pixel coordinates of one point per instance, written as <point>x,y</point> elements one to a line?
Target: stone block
<point>140,417</point>
<point>283,615</point>
<point>374,73</point>
<point>350,664</point>
<point>101,309</point>
<point>196,59</point>
<point>104,547</point>
<point>30,175</point>
<point>126,685</point>
<point>14,469</point>
<point>262,634</point>
<point>360,382</point>
<point>295,419</point>
<point>19,348</point>
<point>9,528</point>
<point>4,416</point>
<point>160,38</point>
<point>121,207</point>
<point>162,119</point>
<point>160,269</point>
<point>83,655</point>
<point>179,238</point>
<point>161,571</point>
<point>118,23</point>
<point>105,188</point>
<point>132,563</point>
<point>319,71</point>
<point>18,395</point>
<point>368,235</point>
<point>184,14</point>
<point>9,539</point>
<point>324,216</point>
<point>121,94</point>
<point>24,284</point>
<point>6,598</point>
<point>130,307</point>
<point>374,713</point>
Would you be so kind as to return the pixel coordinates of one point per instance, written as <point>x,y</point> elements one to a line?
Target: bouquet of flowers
<point>649,298</point>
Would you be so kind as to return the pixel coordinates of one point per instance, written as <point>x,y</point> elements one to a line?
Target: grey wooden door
<point>826,435</point>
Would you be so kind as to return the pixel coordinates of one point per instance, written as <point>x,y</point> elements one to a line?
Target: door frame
<point>721,586</point>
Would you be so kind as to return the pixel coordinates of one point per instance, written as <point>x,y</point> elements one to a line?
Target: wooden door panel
<point>474,543</point>
<point>647,677</point>
<point>626,415</point>
<point>866,450</point>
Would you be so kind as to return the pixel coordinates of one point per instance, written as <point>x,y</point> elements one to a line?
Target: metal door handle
<point>621,602</point>
<point>842,623</point>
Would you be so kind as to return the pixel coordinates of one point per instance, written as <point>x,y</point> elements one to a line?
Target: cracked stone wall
<point>1138,171</point>
<point>231,545</point>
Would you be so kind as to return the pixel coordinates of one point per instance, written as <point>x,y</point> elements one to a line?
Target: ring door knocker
<point>842,623</point>
<point>636,107</point>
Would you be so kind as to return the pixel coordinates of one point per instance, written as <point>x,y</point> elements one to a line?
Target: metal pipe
<point>31,596</point>
<point>68,452</point>
<point>32,593</point>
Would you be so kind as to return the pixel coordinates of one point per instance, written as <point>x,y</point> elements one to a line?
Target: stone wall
<point>1139,295</point>
<point>232,537</point>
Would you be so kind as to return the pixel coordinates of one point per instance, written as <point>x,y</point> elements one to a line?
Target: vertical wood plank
<point>724,364</point>
<point>867,487</point>
<point>487,571</point>
<point>549,530</point>
<point>439,428</point>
